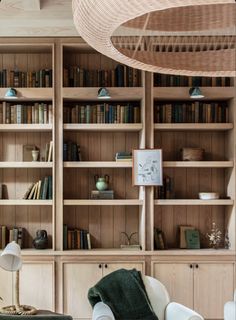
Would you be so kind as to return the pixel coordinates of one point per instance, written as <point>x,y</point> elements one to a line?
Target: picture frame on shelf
<point>147,167</point>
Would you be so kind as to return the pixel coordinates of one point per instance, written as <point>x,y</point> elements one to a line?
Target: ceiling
<point>51,18</point>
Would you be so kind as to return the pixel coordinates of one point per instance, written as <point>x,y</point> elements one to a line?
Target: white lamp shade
<point>10,258</point>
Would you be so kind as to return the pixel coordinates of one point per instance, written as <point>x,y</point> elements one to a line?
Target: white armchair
<point>230,309</point>
<point>160,301</point>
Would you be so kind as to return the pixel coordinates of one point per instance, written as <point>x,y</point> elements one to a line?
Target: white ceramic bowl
<point>208,195</point>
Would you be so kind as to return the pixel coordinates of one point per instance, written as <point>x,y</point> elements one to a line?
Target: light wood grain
<point>25,164</point>
<point>98,164</point>
<point>16,202</point>
<point>29,94</point>
<point>115,202</point>
<point>103,127</point>
<point>194,126</point>
<point>194,202</point>
<point>25,127</point>
<point>198,164</point>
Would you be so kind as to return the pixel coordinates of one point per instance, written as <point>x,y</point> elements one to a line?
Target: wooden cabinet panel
<point>77,279</point>
<point>37,285</point>
<point>6,278</point>
<point>110,267</point>
<point>213,286</point>
<point>178,280</point>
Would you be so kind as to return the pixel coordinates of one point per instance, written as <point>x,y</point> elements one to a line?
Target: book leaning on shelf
<point>102,113</point>
<point>26,79</point>
<point>38,113</point>
<point>41,190</point>
<point>71,151</point>
<point>11,234</point>
<point>76,239</point>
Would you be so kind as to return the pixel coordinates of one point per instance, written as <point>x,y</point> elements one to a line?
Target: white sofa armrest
<point>235,295</point>
<point>102,311</point>
<point>178,311</point>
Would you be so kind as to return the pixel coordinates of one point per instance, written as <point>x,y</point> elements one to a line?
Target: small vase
<point>35,154</point>
<point>41,240</point>
<point>101,184</point>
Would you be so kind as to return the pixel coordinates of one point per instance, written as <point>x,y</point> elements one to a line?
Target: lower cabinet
<point>204,287</point>
<point>36,285</point>
<point>78,277</point>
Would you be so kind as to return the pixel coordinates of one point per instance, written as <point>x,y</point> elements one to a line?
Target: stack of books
<point>123,156</point>
<point>41,190</point>
<point>106,194</point>
<point>76,239</point>
<point>13,234</point>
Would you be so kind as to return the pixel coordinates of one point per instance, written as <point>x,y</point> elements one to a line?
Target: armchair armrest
<point>178,311</point>
<point>101,311</point>
<point>235,295</point>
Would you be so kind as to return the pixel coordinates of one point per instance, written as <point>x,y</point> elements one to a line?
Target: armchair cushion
<point>102,311</point>
<point>178,311</point>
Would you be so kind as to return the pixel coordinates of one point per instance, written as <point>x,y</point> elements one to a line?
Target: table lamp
<point>10,260</point>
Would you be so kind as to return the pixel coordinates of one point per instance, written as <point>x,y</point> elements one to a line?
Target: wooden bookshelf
<point>98,164</point>
<point>198,164</point>
<point>114,202</point>
<point>134,209</point>
<point>194,202</point>
<point>25,127</point>
<point>20,202</point>
<point>103,126</point>
<point>116,94</point>
<point>25,164</point>
<point>194,126</point>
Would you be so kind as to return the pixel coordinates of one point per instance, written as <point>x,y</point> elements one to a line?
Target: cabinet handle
<point>99,266</point>
<point>196,266</point>
<point>191,266</point>
<point>106,266</point>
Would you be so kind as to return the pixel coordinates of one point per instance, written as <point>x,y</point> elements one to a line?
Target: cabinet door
<point>110,267</point>
<point>6,278</point>
<point>37,285</point>
<point>213,286</point>
<point>178,280</point>
<point>77,279</point>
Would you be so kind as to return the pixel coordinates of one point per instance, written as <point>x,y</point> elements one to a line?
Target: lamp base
<point>22,310</point>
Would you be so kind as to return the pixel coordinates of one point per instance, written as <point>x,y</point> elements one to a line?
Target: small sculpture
<point>129,237</point>
<point>101,182</point>
<point>214,236</point>
<point>41,240</point>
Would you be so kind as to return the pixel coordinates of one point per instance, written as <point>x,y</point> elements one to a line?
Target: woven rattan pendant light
<point>184,37</point>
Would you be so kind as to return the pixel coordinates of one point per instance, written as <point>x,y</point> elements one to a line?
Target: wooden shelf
<point>198,164</point>
<point>98,164</point>
<point>21,202</point>
<point>90,94</point>
<point>182,93</point>
<point>25,164</point>
<point>195,252</point>
<point>103,126</point>
<point>113,202</point>
<point>194,126</point>
<point>29,94</point>
<point>193,202</point>
<point>25,127</point>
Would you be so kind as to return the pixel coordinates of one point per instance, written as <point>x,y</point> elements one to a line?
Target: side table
<point>41,315</point>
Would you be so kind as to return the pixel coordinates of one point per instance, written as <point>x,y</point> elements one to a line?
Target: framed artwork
<point>147,167</point>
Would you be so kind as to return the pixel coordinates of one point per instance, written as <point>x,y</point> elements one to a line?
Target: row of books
<point>166,80</point>
<point>123,156</point>
<point>76,239</point>
<point>40,190</point>
<point>11,234</point>
<point>26,79</point>
<point>71,151</point>
<point>37,113</point>
<point>121,76</point>
<point>166,190</point>
<point>102,113</point>
<point>188,112</point>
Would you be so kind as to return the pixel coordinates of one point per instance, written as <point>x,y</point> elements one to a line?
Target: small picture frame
<point>147,167</point>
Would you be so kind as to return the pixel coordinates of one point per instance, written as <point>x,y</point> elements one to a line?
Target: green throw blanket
<point>124,292</point>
